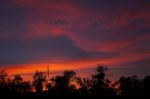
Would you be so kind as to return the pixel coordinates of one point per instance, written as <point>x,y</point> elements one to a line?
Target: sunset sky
<point>75,35</point>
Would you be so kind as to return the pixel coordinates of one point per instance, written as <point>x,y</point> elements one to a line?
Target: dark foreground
<point>69,85</point>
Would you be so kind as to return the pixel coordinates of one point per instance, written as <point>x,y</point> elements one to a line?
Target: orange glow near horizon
<point>27,69</point>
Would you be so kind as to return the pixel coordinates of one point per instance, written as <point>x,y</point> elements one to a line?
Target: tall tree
<point>38,80</point>
<point>4,81</point>
<point>99,82</point>
<point>62,83</point>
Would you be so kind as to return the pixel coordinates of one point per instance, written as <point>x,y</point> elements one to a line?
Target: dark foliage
<point>70,85</point>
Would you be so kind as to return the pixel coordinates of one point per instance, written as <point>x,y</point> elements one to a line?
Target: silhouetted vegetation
<point>38,80</point>
<point>71,85</point>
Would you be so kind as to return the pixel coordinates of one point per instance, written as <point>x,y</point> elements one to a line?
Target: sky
<point>75,35</point>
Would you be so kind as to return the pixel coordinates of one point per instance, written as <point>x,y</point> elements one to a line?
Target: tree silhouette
<point>18,78</point>
<point>38,80</point>
<point>85,85</point>
<point>3,77</point>
<point>61,84</point>
<point>130,86</point>
<point>4,82</point>
<point>70,85</point>
<point>146,86</point>
<point>18,85</point>
<point>99,86</point>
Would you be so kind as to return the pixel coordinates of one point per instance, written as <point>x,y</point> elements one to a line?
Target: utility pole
<point>48,72</point>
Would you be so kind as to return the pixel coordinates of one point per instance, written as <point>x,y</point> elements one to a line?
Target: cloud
<point>78,32</point>
<point>13,22</point>
<point>47,49</point>
<point>96,25</point>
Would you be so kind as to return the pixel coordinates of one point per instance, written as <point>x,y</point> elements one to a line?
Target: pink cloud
<point>54,17</point>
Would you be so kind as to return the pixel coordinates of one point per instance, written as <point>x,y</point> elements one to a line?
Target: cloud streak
<point>78,32</point>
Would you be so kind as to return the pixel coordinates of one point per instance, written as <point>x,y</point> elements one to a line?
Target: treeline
<point>71,85</point>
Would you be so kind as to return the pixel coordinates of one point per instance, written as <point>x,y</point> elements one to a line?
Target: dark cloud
<point>143,63</point>
<point>12,21</point>
<point>46,49</point>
